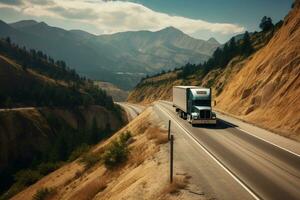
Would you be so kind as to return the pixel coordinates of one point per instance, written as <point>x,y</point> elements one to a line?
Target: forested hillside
<point>38,80</point>
<point>255,78</point>
<point>48,115</point>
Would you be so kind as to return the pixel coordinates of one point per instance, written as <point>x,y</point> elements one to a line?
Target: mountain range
<point>120,58</point>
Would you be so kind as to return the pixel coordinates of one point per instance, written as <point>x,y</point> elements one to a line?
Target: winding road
<point>233,160</point>
<point>228,162</point>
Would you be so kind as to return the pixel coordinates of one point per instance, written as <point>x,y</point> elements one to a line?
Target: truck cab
<point>199,106</point>
<point>194,104</point>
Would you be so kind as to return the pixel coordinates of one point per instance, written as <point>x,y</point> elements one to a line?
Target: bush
<point>117,152</point>
<point>43,193</point>
<point>124,137</point>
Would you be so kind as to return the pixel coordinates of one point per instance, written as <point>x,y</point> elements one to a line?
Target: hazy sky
<point>199,18</point>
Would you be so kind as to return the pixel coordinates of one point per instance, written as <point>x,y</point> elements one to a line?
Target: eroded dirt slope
<point>263,89</point>
<point>266,91</point>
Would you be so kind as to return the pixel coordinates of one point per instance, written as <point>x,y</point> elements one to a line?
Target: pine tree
<point>246,48</point>
<point>266,23</point>
<point>94,132</point>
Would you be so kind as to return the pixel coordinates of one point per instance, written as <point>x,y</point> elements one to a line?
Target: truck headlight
<point>195,115</point>
<point>213,115</point>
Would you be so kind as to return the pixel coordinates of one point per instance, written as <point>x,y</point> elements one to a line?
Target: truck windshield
<point>202,103</point>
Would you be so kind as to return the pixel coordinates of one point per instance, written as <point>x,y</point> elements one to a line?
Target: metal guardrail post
<point>171,158</point>
<point>169,130</point>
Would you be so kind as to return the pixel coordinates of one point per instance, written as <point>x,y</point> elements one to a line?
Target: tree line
<point>39,61</point>
<point>30,91</point>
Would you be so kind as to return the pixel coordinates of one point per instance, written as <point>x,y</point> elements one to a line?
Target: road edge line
<point>238,180</point>
<point>247,132</point>
<point>260,138</point>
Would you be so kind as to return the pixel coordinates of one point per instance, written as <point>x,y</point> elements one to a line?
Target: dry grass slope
<point>143,174</point>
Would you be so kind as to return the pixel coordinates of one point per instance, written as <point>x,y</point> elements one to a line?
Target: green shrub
<point>43,193</point>
<point>124,137</point>
<point>116,153</point>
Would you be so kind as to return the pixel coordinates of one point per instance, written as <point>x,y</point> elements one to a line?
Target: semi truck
<point>194,104</point>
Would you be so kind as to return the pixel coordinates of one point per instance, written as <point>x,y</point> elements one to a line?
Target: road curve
<point>132,110</point>
<point>255,168</point>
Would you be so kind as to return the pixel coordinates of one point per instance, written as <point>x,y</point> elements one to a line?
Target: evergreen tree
<point>8,40</point>
<point>94,132</point>
<point>246,48</point>
<point>266,23</point>
<point>232,47</point>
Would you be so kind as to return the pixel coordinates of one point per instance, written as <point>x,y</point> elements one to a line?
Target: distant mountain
<point>213,41</point>
<point>121,58</point>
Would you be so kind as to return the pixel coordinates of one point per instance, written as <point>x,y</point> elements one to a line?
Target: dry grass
<point>158,135</point>
<point>91,189</point>
<point>136,157</point>
<point>179,182</point>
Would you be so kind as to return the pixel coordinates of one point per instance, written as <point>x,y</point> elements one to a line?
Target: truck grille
<point>205,114</point>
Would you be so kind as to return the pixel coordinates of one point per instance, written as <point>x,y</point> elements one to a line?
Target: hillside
<point>116,93</point>
<point>47,112</point>
<point>258,88</point>
<point>134,176</point>
<point>121,58</point>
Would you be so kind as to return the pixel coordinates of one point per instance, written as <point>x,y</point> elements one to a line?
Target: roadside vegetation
<point>113,155</point>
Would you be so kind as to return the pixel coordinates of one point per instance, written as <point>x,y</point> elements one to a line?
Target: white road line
<point>262,139</point>
<point>294,153</point>
<point>255,196</point>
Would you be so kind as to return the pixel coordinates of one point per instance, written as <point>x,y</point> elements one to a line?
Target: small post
<point>171,158</point>
<point>169,130</point>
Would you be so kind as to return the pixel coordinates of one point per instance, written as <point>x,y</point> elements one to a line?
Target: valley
<point>132,104</point>
<point>121,58</point>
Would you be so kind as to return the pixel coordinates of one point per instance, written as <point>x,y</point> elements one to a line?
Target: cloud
<point>74,13</point>
<point>41,2</point>
<point>118,16</point>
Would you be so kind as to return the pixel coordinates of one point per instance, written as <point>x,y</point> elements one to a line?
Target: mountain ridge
<point>120,58</point>
<point>261,87</point>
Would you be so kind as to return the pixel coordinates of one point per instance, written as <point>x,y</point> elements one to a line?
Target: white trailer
<point>194,104</point>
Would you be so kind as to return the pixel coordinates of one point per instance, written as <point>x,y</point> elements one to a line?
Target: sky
<point>200,19</point>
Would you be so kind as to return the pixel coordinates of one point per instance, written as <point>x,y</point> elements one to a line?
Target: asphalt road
<point>132,110</point>
<point>229,163</point>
